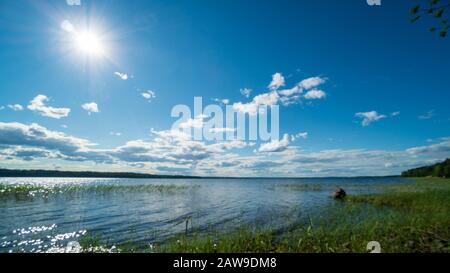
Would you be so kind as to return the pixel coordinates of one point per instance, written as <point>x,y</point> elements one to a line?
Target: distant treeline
<point>51,173</point>
<point>438,170</point>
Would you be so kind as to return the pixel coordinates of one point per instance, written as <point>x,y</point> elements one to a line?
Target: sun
<point>89,43</point>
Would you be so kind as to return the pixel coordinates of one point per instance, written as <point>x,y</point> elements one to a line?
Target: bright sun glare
<point>89,43</point>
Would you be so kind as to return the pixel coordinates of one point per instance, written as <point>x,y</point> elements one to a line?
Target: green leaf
<point>414,9</point>
<point>432,29</point>
<point>443,34</point>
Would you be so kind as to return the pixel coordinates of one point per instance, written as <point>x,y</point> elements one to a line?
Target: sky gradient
<point>361,90</point>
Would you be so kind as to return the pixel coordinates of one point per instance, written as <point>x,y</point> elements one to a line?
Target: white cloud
<point>170,134</point>
<point>368,117</point>
<point>315,94</point>
<point>303,135</point>
<point>275,145</point>
<point>122,76</point>
<point>266,99</point>
<point>38,105</point>
<point>227,145</point>
<point>428,115</point>
<point>73,2</point>
<point>172,146</point>
<point>289,92</point>
<point>115,133</point>
<point>394,114</point>
<point>90,107</point>
<point>67,26</point>
<point>148,95</point>
<point>293,95</point>
<point>252,107</point>
<point>246,92</point>
<point>197,122</point>
<point>286,96</point>
<point>438,148</point>
<point>277,81</point>
<point>311,82</point>
<point>175,149</point>
<point>59,144</point>
<point>222,101</point>
<point>15,107</point>
<point>222,130</point>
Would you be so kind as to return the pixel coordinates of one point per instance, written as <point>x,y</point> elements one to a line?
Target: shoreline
<point>405,217</point>
<point>13,173</point>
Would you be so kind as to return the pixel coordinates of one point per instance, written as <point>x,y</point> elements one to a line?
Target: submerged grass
<point>413,218</point>
<point>331,187</point>
<point>32,189</point>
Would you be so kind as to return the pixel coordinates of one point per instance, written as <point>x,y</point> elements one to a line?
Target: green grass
<point>413,218</point>
<point>33,190</point>
<point>332,187</point>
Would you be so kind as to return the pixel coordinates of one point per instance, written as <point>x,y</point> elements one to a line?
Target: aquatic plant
<point>45,190</point>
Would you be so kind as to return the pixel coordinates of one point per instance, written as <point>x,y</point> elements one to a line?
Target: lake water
<point>38,214</point>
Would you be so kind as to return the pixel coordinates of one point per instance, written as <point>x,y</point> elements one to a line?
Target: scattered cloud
<point>73,2</point>
<point>90,107</point>
<point>275,145</point>
<point>311,82</point>
<point>285,96</point>
<point>277,81</point>
<point>252,107</point>
<point>222,130</point>
<point>315,94</point>
<point>246,92</point>
<point>59,145</point>
<point>290,92</point>
<point>122,76</point>
<point>67,26</point>
<point>172,146</point>
<point>15,107</point>
<point>174,149</point>
<point>428,115</point>
<point>369,117</point>
<point>222,101</point>
<point>115,133</point>
<point>38,105</point>
<point>394,114</point>
<point>303,135</point>
<point>442,147</point>
<point>148,95</point>
<point>196,123</point>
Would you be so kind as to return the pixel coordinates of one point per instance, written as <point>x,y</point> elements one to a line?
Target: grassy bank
<point>412,218</point>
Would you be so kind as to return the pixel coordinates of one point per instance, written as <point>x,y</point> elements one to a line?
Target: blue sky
<point>384,85</point>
